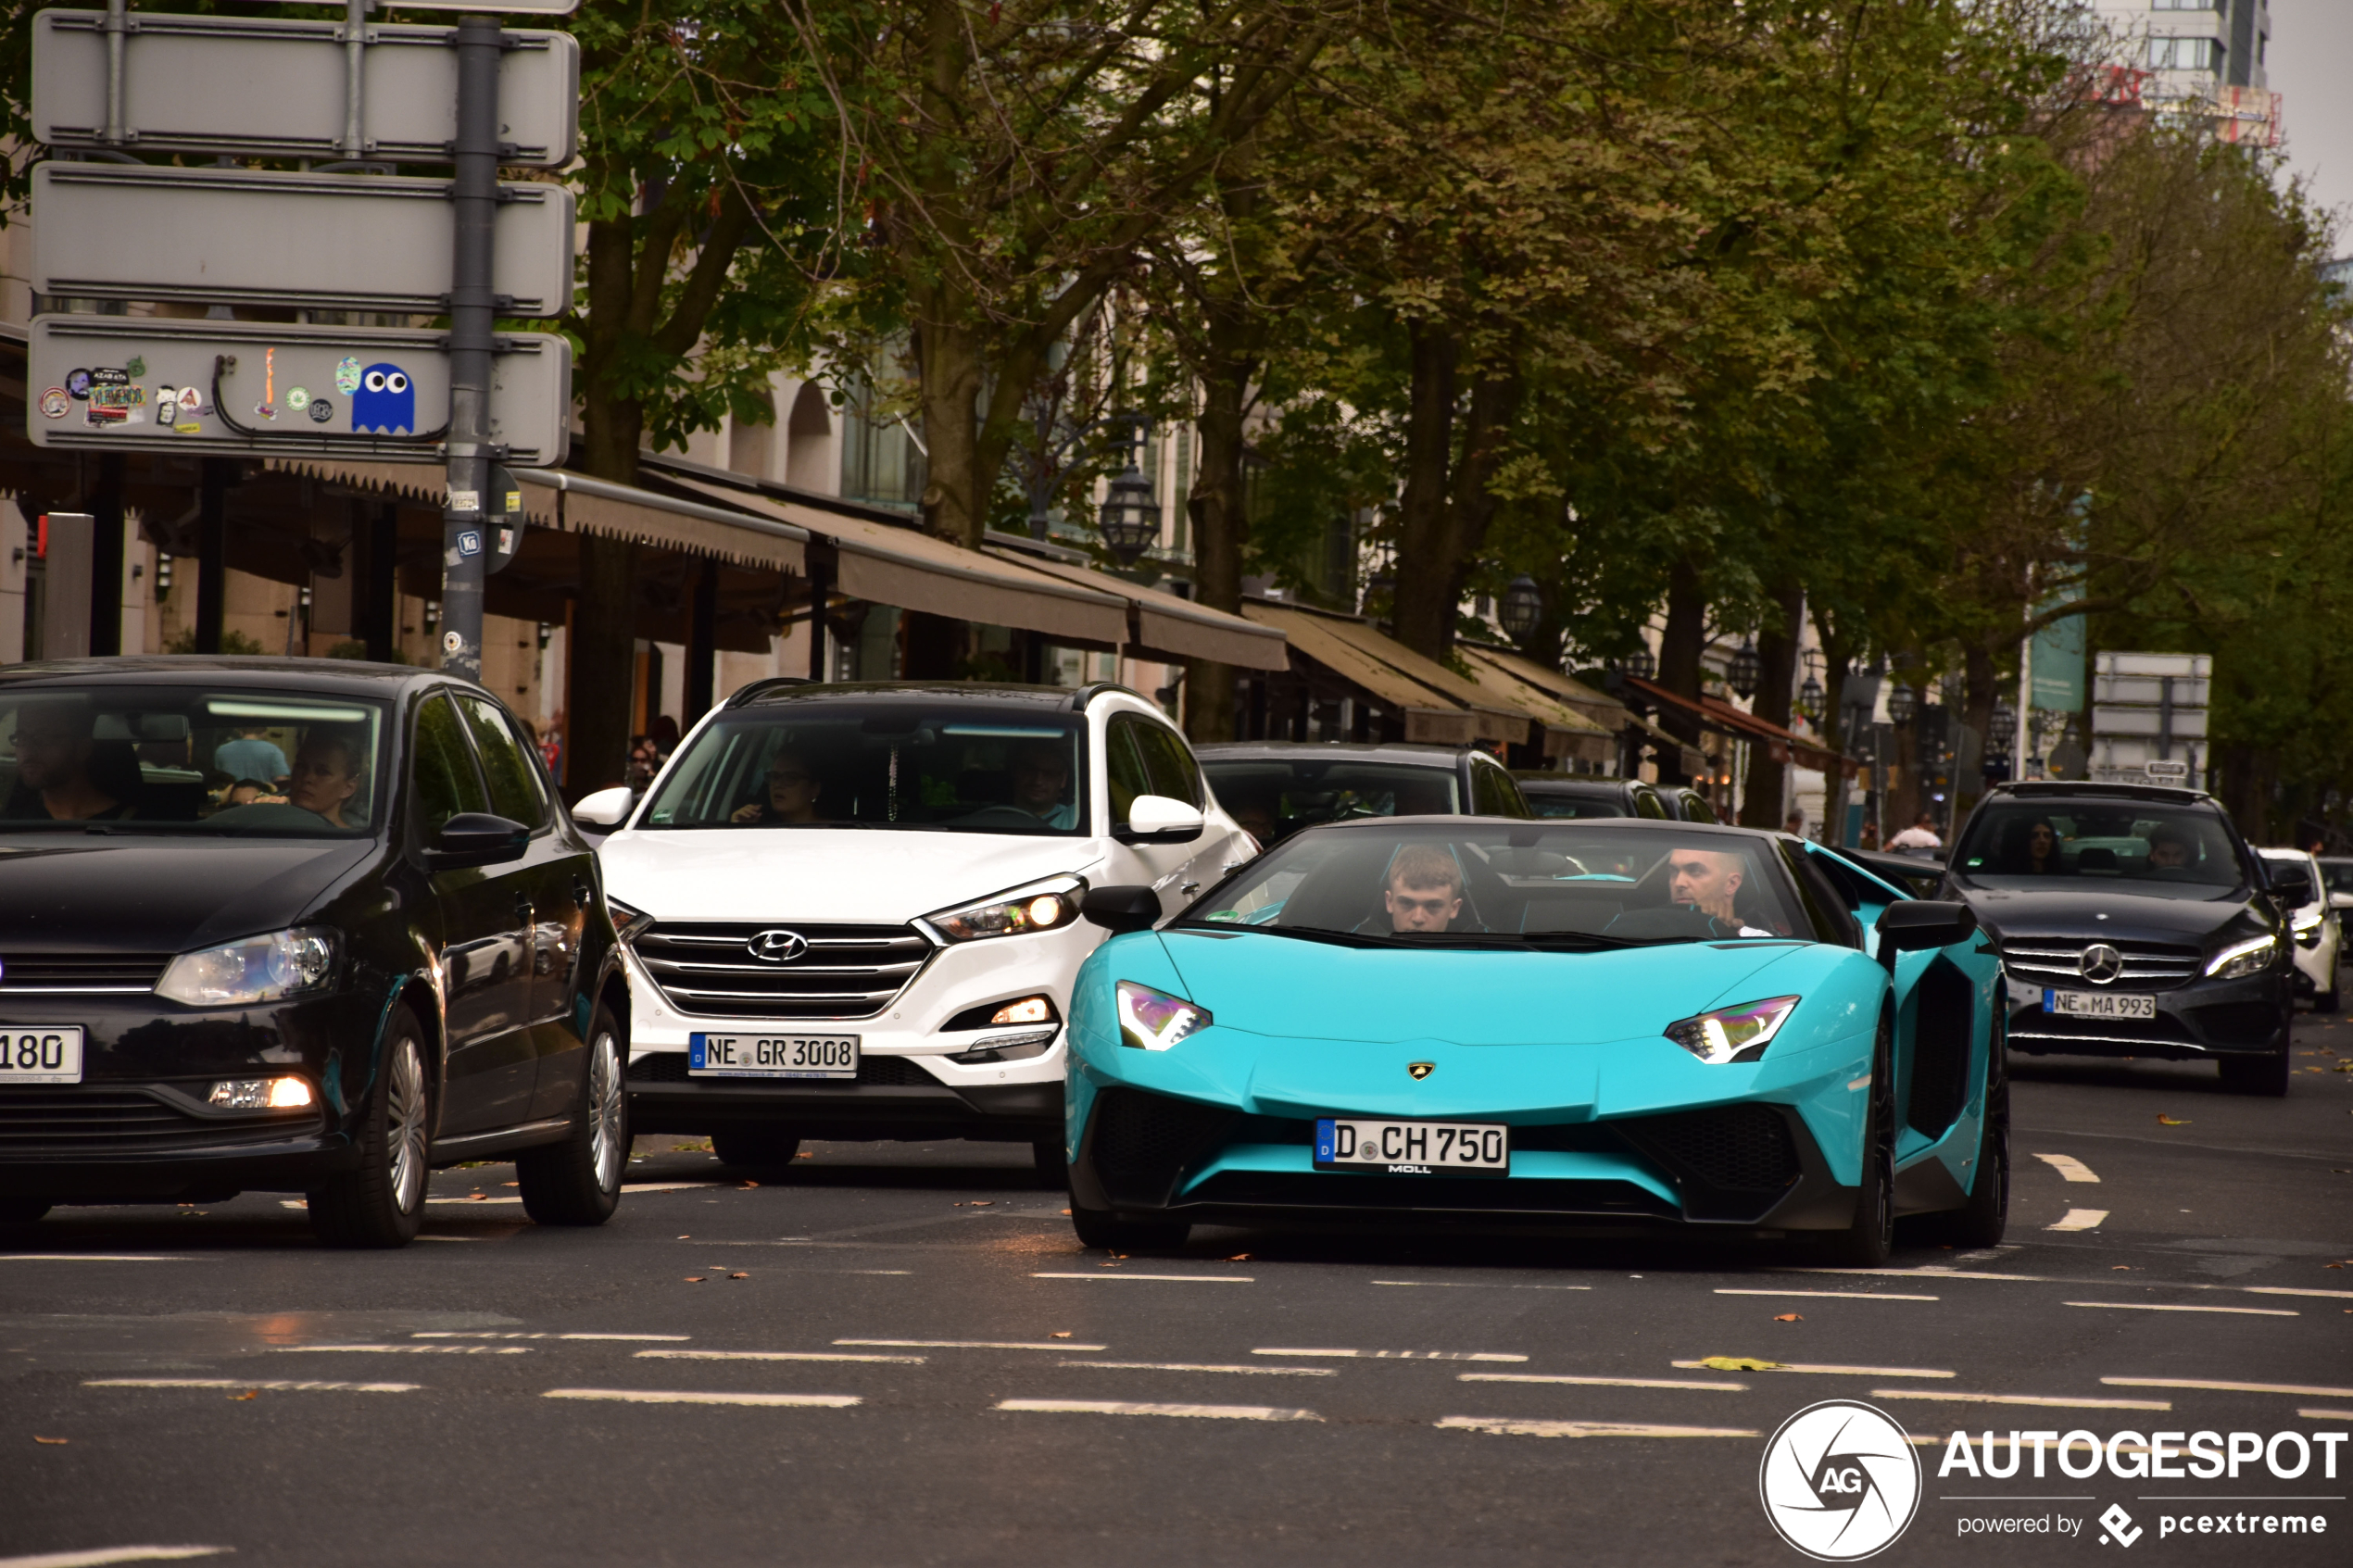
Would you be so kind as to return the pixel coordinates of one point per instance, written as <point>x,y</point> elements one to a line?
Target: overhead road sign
<point>529,7</point>
<point>331,242</point>
<point>277,88</point>
<point>116,383</point>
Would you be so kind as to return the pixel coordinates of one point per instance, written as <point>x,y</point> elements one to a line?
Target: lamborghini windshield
<point>1511,885</point>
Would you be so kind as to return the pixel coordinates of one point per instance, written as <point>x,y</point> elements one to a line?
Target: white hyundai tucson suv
<point>851,911</point>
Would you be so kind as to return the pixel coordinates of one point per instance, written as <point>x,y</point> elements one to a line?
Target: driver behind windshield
<point>55,753</point>
<point>1424,890</point>
<point>326,775</point>
<point>1709,880</point>
<point>1040,771</point>
<point>792,793</point>
<point>2170,849</point>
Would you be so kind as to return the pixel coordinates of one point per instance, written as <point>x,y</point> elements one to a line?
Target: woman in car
<point>2032,849</point>
<point>792,794</point>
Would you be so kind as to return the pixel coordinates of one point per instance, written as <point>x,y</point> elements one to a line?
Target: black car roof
<point>1568,783</point>
<point>352,677</point>
<point>1409,752</point>
<point>1544,825</point>
<point>788,689</point>
<point>2049,789</point>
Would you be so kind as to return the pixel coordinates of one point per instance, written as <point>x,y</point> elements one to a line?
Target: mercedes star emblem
<point>2100,963</point>
<point>778,947</point>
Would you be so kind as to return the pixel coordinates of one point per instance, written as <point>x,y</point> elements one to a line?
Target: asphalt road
<point>899,1355</point>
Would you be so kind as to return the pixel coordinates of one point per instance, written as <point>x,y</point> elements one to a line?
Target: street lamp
<point>1745,669</point>
<point>1642,663</point>
<point>1902,703</point>
<point>1522,609</point>
<point>1129,519</point>
<point>2003,721</point>
<point>1810,697</point>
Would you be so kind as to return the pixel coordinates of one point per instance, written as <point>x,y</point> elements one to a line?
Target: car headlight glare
<point>2243,958</point>
<point>1734,1033</point>
<point>1153,1021</point>
<point>258,969</point>
<point>1045,905</point>
<point>628,923</point>
<point>2308,922</point>
<point>261,1094</point>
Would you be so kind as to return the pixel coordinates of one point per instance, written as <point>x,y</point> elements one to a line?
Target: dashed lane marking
<point>1167,1279</point>
<point>91,1258</point>
<point>2054,1401</point>
<point>687,1396</point>
<point>2295,1290</point>
<point>1601,1381</point>
<point>106,1555</point>
<point>1195,1366</point>
<point>771,1356</point>
<point>1816,1367</point>
<point>2228,1388</point>
<point>671,1186</point>
<point>2068,1166</point>
<point>2159,1307</point>
<point>2325,1416</point>
<point>1133,1407</point>
<point>1831,1294</point>
<point>1930,1272</point>
<point>1396,1355</point>
<point>2079,1219</point>
<point>1503,1427</point>
<point>1476,1285</point>
<point>971,1344</point>
<point>274,1385</point>
<point>408,1350</point>
<point>503,1334</point>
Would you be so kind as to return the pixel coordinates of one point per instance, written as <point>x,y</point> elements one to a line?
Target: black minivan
<point>302,925</point>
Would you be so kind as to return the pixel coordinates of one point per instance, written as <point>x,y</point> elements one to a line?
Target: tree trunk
<point>1981,688</point>
<point>1777,655</point>
<point>1680,648</point>
<point>1220,527</point>
<point>1424,615</point>
<point>602,648</point>
<point>1494,401</point>
<point>1837,660</point>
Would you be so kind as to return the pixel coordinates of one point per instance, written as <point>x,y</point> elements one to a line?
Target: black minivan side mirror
<point>1121,909</point>
<point>1925,923</point>
<point>476,838</point>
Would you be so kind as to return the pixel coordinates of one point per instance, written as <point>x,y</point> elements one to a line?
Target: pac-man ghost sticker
<point>386,402</point>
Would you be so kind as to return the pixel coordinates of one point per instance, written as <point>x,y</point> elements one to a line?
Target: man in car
<point>2170,848</point>
<point>1040,770</point>
<point>1706,880</point>
<point>326,775</point>
<point>1425,891</point>
<point>54,754</point>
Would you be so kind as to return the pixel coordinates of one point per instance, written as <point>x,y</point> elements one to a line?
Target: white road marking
<point>507,1334</point>
<point>2325,1416</point>
<point>1130,1407</point>
<point>424,1237</point>
<point>685,1397</point>
<point>1833,1295</point>
<point>1192,1366</point>
<point>1601,1381</point>
<point>1511,1428</point>
<point>2293,1290</point>
<point>972,1344</point>
<point>105,1555</point>
<point>1477,1284</point>
<point>770,1356</point>
<point>1185,1279</point>
<point>2070,1167</point>
<point>2054,1401</point>
<point>1924,1273</point>
<point>2228,1388</point>
<point>672,1338</point>
<point>1398,1355</point>
<point>670,1186</point>
<point>2079,1219</point>
<point>2154,1307</point>
<point>90,1258</point>
<point>1824,1367</point>
<point>408,1350</point>
<point>275,1384</point>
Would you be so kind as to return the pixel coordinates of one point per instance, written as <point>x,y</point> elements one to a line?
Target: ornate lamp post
<point>1745,669</point>
<point>1522,609</point>
<point>1642,663</point>
<point>1129,518</point>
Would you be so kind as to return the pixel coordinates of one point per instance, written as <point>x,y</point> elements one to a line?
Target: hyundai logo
<point>2100,963</point>
<point>777,947</point>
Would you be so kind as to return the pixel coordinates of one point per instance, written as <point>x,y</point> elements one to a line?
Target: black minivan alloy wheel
<point>382,1203</point>
<point>577,1181</point>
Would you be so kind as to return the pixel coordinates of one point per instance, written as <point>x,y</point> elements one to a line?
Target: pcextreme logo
<point>1840,1481</point>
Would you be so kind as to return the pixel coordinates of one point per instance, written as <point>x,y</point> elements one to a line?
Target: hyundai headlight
<point>258,969</point>
<point>628,923</point>
<point>2242,958</point>
<point>1734,1033</point>
<point>1153,1021</point>
<point>1041,906</point>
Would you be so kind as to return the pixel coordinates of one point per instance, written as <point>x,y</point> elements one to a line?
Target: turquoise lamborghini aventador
<point>1572,1025</point>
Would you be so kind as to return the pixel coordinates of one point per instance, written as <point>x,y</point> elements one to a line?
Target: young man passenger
<point>1424,890</point>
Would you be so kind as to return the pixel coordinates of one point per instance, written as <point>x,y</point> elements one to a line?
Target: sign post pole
<point>465,543</point>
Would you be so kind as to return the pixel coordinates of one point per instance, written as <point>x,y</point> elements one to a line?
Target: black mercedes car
<point>1275,787</point>
<point>2133,922</point>
<point>1584,795</point>
<point>295,925</point>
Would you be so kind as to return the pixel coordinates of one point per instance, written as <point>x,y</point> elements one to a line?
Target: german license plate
<point>1414,1148</point>
<point>772,1056</point>
<point>50,1054</point>
<point>2098,1004</point>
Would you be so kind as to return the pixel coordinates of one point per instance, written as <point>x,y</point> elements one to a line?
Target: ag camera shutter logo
<point>1840,1481</point>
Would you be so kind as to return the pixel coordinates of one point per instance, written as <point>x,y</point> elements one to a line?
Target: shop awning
<point>1570,692</point>
<point>1722,717</point>
<point>1439,705</point>
<point>1567,732</point>
<point>1161,624</point>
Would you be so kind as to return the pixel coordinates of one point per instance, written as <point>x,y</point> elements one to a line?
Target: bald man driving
<point>1709,880</point>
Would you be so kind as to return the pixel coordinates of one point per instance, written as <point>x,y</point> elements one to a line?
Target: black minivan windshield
<point>2181,851</point>
<point>849,764</point>
<point>188,759</point>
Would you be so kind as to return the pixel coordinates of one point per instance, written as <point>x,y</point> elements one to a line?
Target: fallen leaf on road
<point>1059,1334</point>
<point>983,1203</point>
<point>1738,1363</point>
<point>747,1186</point>
<point>1066,1214</point>
<point>738,1276</point>
<point>685,1238</point>
<point>694,1279</point>
<point>804,1156</point>
<point>2165,1121</point>
<point>50,1440</point>
<point>1787,1317</point>
<point>1239,1258</point>
<point>248,1394</point>
<point>2124,1268</point>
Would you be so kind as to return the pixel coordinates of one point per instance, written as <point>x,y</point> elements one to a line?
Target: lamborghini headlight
<point>1734,1033</point>
<point>2242,958</point>
<point>258,969</point>
<point>1153,1021</point>
<point>1042,906</point>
